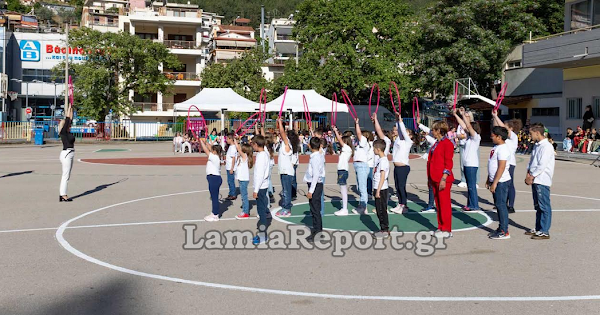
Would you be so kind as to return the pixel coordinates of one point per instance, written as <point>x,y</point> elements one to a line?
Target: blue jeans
<point>294,183</point>
<point>244,193</point>
<point>461,150</point>
<point>543,207</point>
<point>262,207</point>
<point>473,197</point>
<point>370,181</point>
<point>511,189</point>
<point>286,187</point>
<point>323,198</point>
<point>231,184</point>
<point>500,197</point>
<point>431,203</point>
<point>362,174</point>
<point>214,184</point>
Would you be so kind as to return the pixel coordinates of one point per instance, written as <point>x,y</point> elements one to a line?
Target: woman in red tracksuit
<point>440,177</point>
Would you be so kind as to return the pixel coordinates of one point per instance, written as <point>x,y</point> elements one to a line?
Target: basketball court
<point>118,248</point>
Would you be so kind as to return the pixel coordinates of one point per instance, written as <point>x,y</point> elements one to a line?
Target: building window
<point>513,64</point>
<point>551,111</point>
<point>596,106</point>
<point>574,108</point>
<point>581,15</point>
<point>44,75</point>
<point>147,36</point>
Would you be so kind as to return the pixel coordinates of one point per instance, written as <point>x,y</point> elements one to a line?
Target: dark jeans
<point>473,197</point>
<point>543,207</point>
<point>262,207</point>
<point>286,184</point>
<point>400,177</point>
<point>295,183</point>
<point>214,184</point>
<point>231,184</point>
<point>381,204</point>
<point>511,188</point>
<point>431,203</point>
<point>315,208</point>
<point>500,197</point>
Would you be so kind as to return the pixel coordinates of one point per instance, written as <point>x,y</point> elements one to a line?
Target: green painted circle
<point>413,221</point>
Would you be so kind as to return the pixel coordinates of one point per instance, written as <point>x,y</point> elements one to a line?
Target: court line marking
<point>67,246</point>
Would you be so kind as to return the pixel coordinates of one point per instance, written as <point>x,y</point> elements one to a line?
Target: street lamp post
<point>54,108</point>
<point>26,88</point>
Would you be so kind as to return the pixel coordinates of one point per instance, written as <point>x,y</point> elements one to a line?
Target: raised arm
<point>497,121</point>
<point>375,121</point>
<point>283,134</point>
<point>467,122</point>
<point>337,134</point>
<point>358,132</point>
<point>204,146</point>
<point>239,148</point>
<point>458,119</point>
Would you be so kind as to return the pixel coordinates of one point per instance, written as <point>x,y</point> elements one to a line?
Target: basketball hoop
<point>12,95</point>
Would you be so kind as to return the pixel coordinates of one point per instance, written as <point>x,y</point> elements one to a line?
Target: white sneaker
<point>462,185</point>
<point>341,213</point>
<point>442,234</point>
<point>399,209</point>
<point>360,211</point>
<point>477,185</point>
<point>211,218</point>
<point>430,210</point>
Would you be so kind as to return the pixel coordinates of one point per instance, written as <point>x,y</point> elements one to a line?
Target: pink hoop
<point>501,96</point>
<point>371,96</point>
<point>397,95</point>
<point>252,125</point>
<point>416,117</point>
<point>349,105</point>
<point>307,112</point>
<point>203,121</point>
<point>283,102</point>
<point>334,112</point>
<point>71,91</point>
<point>455,95</point>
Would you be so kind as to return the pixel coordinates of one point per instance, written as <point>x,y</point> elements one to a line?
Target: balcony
<point>151,107</point>
<point>183,76</point>
<point>180,44</point>
<point>185,13</point>
<point>285,37</point>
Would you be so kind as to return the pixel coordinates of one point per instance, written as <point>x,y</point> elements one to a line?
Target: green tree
<point>472,39</point>
<point>244,75</point>
<point>351,45</point>
<point>15,5</point>
<point>116,64</point>
<point>43,13</point>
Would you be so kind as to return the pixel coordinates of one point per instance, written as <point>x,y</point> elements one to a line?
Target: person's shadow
<point>98,188</point>
<point>16,174</point>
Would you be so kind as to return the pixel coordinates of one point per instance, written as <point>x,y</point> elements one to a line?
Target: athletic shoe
<point>341,213</point>
<point>399,209</point>
<point>259,240</point>
<point>211,218</point>
<point>272,199</point>
<point>294,198</point>
<point>540,236</point>
<point>381,235</point>
<point>477,185</point>
<point>430,210</point>
<point>231,198</point>
<point>311,238</point>
<point>531,232</point>
<point>286,213</point>
<point>442,234</point>
<point>511,210</point>
<point>500,235</point>
<point>242,216</point>
<point>465,208</point>
<point>360,211</point>
<point>462,185</point>
<point>494,232</point>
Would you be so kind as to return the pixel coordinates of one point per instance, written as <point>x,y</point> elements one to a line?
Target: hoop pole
<point>349,105</point>
<point>334,100</point>
<point>501,96</point>
<point>418,112</point>
<point>397,95</point>
<point>455,95</point>
<point>283,102</point>
<point>371,97</point>
<point>245,121</point>
<point>307,112</point>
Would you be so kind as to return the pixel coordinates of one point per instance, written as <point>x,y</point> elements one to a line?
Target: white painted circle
<point>66,245</point>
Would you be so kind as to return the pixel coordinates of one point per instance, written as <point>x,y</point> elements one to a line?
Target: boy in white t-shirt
<point>380,184</point>
<point>499,180</point>
<point>230,162</point>
<point>261,185</point>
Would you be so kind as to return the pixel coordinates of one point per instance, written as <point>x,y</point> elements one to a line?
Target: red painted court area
<point>192,160</point>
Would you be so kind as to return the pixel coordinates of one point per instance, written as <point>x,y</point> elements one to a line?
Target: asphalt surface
<point>128,256</point>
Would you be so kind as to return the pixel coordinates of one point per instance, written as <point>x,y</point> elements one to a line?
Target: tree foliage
<point>116,64</point>
<point>472,39</point>
<point>350,45</point>
<point>230,9</point>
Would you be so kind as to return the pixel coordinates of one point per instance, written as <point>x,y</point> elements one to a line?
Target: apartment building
<point>228,42</point>
<point>282,47</point>
<point>103,15</point>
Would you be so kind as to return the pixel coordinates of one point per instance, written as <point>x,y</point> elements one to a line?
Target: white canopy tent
<point>316,102</point>
<point>217,100</point>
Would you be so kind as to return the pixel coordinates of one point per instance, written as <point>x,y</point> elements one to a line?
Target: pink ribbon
<point>455,95</point>
<point>334,99</point>
<point>307,112</point>
<point>397,95</point>
<point>349,105</point>
<point>283,102</point>
<point>371,97</point>
<point>416,117</point>
<point>501,96</point>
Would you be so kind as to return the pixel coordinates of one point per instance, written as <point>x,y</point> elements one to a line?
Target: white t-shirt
<point>261,171</point>
<point>213,165</point>
<point>286,166</point>
<point>383,164</point>
<point>231,153</point>
<point>461,131</point>
<point>469,156</point>
<point>371,155</point>
<point>386,152</point>
<point>242,172</point>
<point>402,146</point>
<point>344,157</point>
<point>513,144</point>
<point>499,153</point>
<point>361,152</point>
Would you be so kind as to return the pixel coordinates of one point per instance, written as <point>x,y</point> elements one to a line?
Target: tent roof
<point>316,102</point>
<point>215,99</point>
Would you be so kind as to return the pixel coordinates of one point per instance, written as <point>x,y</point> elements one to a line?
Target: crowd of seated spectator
<point>587,141</point>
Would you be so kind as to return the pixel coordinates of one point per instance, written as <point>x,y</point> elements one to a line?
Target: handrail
<point>584,29</point>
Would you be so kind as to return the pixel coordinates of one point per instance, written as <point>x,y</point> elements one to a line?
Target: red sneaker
<point>242,216</point>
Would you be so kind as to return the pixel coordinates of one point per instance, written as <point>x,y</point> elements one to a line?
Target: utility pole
<point>66,88</point>
<point>262,27</point>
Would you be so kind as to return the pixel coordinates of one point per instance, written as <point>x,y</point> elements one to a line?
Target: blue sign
<point>30,50</point>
